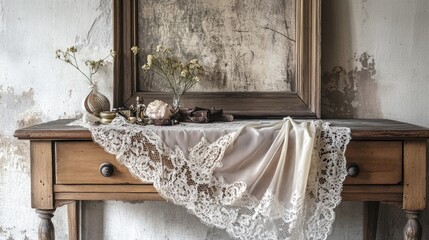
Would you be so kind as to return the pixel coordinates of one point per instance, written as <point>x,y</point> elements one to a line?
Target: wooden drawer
<point>379,162</point>
<point>79,163</point>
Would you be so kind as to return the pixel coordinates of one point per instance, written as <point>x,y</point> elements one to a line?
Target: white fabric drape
<point>256,180</point>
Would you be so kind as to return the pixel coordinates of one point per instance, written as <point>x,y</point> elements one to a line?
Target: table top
<point>360,129</point>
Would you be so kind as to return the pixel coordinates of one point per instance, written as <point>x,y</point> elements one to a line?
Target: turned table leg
<point>73,213</point>
<point>413,229</point>
<point>46,228</point>
<point>414,196</point>
<point>370,220</point>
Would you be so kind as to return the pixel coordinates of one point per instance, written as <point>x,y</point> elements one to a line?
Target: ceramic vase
<point>96,102</point>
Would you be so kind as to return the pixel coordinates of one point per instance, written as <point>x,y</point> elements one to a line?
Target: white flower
<point>135,50</point>
<point>72,49</point>
<point>150,58</point>
<point>145,67</point>
<point>159,48</point>
<point>197,79</point>
<point>159,110</point>
<point>184,73</point>
<point>113,53</point>
<point>194,64</point>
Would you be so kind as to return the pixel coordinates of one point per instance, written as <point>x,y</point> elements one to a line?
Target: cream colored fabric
<point>270,156</point>
<point>255,179</point>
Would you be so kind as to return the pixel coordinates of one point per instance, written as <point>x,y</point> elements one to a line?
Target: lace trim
<point>189,182</point>
<point>325,183</point>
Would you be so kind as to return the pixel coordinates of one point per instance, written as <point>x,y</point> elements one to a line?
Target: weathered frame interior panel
<point>302,101</point>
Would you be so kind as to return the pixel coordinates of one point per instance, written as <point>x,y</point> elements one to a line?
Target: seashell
<point>158,110</point>
<point>96,102</point>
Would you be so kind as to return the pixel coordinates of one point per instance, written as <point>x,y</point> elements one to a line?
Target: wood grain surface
<point>127,21</point>
<point>79,163</point>
<point>414,175</point>
<point>379,162</point>
<point>42,186</point>
<point>375,129</point>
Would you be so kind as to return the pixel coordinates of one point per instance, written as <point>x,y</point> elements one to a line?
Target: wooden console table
<point>386,163</point>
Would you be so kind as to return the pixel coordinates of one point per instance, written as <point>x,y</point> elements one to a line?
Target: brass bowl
<point>106,121</point>
<point>108,115</point>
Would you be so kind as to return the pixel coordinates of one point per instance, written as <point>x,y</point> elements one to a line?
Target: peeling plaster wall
<point>393,83</point>
<point>389,81</point>
<point>34,88</point>
<point>240,43</point>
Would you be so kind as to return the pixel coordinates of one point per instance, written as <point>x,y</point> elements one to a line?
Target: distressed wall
<point>242,44</point>
<point>34,88</point>
<point>374,60</point>
<point>375,65</point>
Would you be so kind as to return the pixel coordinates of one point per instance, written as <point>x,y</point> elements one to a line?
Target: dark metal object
<point>107,169</point>
<point>203,115</point>
<point>353,170</point>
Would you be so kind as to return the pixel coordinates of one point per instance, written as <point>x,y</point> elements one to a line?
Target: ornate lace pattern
<point>325,183</point>
<point>189,182</point>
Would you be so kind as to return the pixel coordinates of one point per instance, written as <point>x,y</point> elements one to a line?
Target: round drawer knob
<point>106,169</point>
<point>353,170</point>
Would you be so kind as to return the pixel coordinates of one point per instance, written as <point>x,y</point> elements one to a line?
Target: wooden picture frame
<point>303,102</point>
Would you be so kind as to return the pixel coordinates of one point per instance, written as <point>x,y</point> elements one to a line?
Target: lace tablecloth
<point>255,179</point>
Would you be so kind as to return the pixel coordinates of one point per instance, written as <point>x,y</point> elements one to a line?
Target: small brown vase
<point>96,102</point>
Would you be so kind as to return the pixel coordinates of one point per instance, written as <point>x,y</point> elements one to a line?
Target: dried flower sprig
<point>69,56</point>
<point>135,50</point>
<point>179,77</point>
